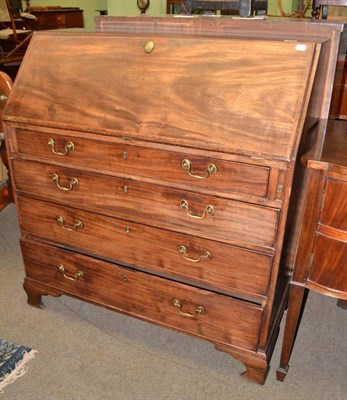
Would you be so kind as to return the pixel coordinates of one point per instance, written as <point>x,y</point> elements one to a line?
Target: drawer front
<point>185,211</point>
<point>329,265</point>
<point>211,263</point>
<point>334,213</point>
<point>181,169</point>
<point>154,299</point>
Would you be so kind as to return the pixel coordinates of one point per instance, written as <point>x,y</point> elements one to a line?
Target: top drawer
<point>180,169</point>
<point>232,95</point>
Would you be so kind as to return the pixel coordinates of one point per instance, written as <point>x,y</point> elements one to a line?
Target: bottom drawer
<point>199,312</point>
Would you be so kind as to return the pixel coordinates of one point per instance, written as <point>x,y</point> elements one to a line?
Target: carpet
<point>13,360</point>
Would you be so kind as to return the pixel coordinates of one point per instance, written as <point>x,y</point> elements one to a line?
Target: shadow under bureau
<point>153,168</point>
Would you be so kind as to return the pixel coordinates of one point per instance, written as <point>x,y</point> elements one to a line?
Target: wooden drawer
<point>226,267</point>
<point>223,319</point>
<point>185,211</point>
<point>135,161</point>
<point>334,212</point>
<point>329,264</point>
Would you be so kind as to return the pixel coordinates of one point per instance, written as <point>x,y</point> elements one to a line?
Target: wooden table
<point>321,262</point>
<point>63,18</point>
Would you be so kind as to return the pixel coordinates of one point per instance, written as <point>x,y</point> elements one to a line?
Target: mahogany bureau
<point>153,169</point>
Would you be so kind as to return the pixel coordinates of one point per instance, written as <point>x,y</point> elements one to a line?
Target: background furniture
<point>13,41</point>
<point>172,5</point>
<point>320,9</point>
<point>163,196</point>
<point>246,8</point>
<point>321,263</point>
<point>58,19</point>
<point>6,189</point>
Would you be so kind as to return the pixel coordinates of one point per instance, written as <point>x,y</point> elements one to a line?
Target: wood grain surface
<point>239,96</point>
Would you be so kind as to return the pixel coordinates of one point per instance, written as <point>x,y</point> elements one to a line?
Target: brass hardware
<point>149,47</point>
<point>78,275</point>
<point>124,278</point>
<point>198,310</point>
<point>127,229</point>
<point>68,147</point>
<point>78,224</point>
<point>73,183</point>
<point>209,210</point>
<point>211,169</point>
<point>125,189</point>
<point>124,155</point>
<point>279,188</point>
<point>206,255</point>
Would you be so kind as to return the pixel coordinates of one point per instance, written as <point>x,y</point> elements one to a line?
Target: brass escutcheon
<point>149,47</point>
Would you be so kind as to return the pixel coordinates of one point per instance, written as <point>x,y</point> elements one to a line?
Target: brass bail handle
<point>199,309</point>
<point>78,224</point>
<point>211,169</point>
<point>78,275</point>
<point>206,255</point>
<point>209,210</point>
<point>68,147</point>
<point>73,183</point>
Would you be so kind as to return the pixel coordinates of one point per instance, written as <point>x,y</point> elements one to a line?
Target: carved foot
<point>34,298</point>
<point>35,291</point>
<point>342,304</point>
<point>256,365</point>
<point>255,374</point>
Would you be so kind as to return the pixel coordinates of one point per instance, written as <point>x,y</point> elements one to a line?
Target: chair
<point>246,8</point>
<point>320,7</point>
<point>6,190</point>
<point>13,41</point>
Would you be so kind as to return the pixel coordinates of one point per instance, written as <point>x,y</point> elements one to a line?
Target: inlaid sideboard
<point>154,166</point>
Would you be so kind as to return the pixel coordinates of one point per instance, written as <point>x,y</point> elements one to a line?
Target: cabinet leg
<point>35,291</point>
<point>296,297</point>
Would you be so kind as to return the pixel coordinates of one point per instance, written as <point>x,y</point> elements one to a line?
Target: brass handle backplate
<point>73,183</point>
<point>198,310</point>
<point>206,255</point>
<point>78,224</point>
<point>78,275</point>
<point>209,210</point>
<point>68,147</point>
<point>211,169</point>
